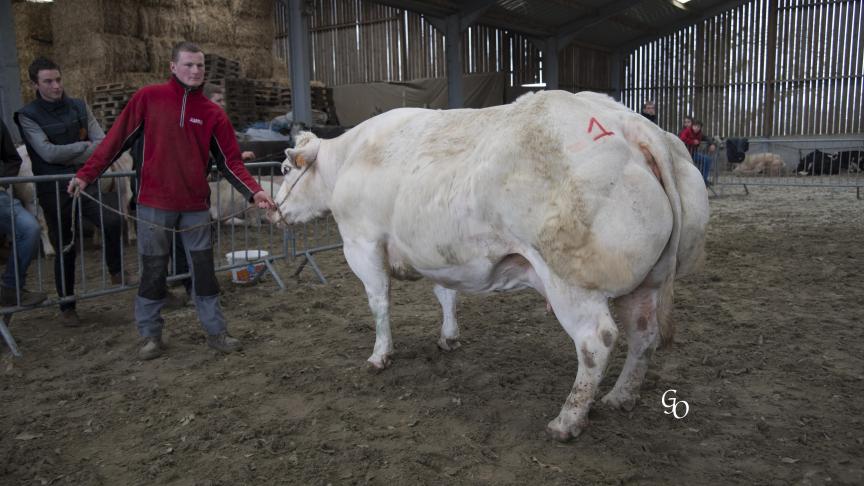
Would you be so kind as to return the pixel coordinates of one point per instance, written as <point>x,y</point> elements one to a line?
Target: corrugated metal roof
<point>612,25</point>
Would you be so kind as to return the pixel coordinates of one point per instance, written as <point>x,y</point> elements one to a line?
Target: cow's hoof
<point>378,363</point>
<point>619,402</point>
<point>449,344</point>
<point>562,433</point>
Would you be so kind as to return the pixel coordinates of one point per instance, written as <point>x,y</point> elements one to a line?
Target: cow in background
<point>851,160</point>
<point>119,190</point>
<point>818,163</point>
<point>764,164</point>
<point>26,193</point>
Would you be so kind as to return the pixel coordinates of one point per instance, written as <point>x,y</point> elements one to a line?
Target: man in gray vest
<point>60,134</point>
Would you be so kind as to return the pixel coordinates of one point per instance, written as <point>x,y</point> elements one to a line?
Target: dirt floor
<point>768,356</point>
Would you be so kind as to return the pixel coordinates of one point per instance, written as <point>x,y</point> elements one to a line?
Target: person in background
<point>693,137</point>
<point>687,123</point>
<point>60,134</point>
<point>216,94</point>
<point>649,111</point>
<point>14,219</point>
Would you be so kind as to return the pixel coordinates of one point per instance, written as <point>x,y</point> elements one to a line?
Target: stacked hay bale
<point>99,42</point>
<point>33,37</point>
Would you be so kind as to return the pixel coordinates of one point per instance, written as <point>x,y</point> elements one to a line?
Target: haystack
<point>108,41</point>
<point>33,37</point>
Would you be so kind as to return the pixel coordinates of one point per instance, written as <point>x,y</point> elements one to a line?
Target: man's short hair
<point>40,64</point>
<point>697,122</point>
<point>648,103</point>
<point>211,89</point>
<point>184,47</point>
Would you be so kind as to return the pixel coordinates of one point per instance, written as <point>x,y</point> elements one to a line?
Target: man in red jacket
<point>180,128</point>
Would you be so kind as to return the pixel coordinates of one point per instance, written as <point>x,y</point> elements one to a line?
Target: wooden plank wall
<point>799,59</point>
<point>359,41</point>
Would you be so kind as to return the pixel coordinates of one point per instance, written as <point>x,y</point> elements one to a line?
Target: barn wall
<point>767,68</point>
<point>359,41</point>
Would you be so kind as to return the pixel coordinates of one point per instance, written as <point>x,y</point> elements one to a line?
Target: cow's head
<point>302,196</point>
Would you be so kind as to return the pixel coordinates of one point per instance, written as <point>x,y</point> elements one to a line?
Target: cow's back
<point>554,172</point>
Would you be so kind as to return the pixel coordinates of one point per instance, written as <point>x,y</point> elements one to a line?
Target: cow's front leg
<point>449,339</point>
<point>588,322</point>
<point>367,260</point>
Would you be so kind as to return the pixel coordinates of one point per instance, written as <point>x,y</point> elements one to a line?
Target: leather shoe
<point>70,318</point>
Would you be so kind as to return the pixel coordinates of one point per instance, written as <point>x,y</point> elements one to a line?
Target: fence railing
<point>240,244</point>
<point>804,163</point>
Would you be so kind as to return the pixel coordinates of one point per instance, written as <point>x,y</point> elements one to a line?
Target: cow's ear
<point>290,156</point>
<point>299,158</point>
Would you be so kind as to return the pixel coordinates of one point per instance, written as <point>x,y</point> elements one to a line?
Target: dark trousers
<point>60,231</point>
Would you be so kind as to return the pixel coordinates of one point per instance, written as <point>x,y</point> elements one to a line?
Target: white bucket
<point>246,274</point>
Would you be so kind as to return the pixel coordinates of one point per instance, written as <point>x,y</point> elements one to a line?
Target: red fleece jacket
<point>690,138</point>
<point>181,128</point>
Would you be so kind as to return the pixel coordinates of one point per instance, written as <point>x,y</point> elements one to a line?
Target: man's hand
<point>263,201</point>
<point>75,183</point>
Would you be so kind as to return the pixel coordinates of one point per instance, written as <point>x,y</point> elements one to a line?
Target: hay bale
<point>211,25</point>
<point>108,41</point>
<point>121,18</point>
<point>253,32</point>
<point>164,22</point>
<point>159,53</point>
<point>34,37</point>
<point>253,8</point>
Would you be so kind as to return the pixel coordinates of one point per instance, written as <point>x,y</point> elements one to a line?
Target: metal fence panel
<point>251,242</point>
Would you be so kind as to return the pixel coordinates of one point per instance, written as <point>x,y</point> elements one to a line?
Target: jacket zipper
<point>183,107</point>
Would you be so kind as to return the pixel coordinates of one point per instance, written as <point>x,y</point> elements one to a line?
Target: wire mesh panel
<point>804,162</point>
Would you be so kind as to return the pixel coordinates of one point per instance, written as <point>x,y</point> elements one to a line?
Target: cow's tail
<point>659,156</point>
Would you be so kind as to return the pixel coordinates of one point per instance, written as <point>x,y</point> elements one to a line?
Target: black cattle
<point>819,163</point>
<point>851,160</point>
<point>736,149</point>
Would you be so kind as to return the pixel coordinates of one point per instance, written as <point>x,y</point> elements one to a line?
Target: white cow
<point>575,196</point>
<point>26,193</point>
<point>122,187</point>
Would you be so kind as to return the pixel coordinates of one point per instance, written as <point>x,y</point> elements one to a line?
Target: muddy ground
<point>768,356</point>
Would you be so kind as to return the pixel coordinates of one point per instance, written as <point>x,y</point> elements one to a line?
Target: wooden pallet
<point>218,67</point>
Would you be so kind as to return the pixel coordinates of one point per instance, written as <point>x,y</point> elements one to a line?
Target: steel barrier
<point>795,163</point>
<point>252,242</point>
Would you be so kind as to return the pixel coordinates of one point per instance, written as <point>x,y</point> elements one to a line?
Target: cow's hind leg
<point>638,313</point>
<point>449,339</point>
<point>587,320</point>
<point>366,259</point>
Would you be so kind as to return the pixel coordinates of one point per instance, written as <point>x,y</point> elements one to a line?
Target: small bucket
<point>247,273</point>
